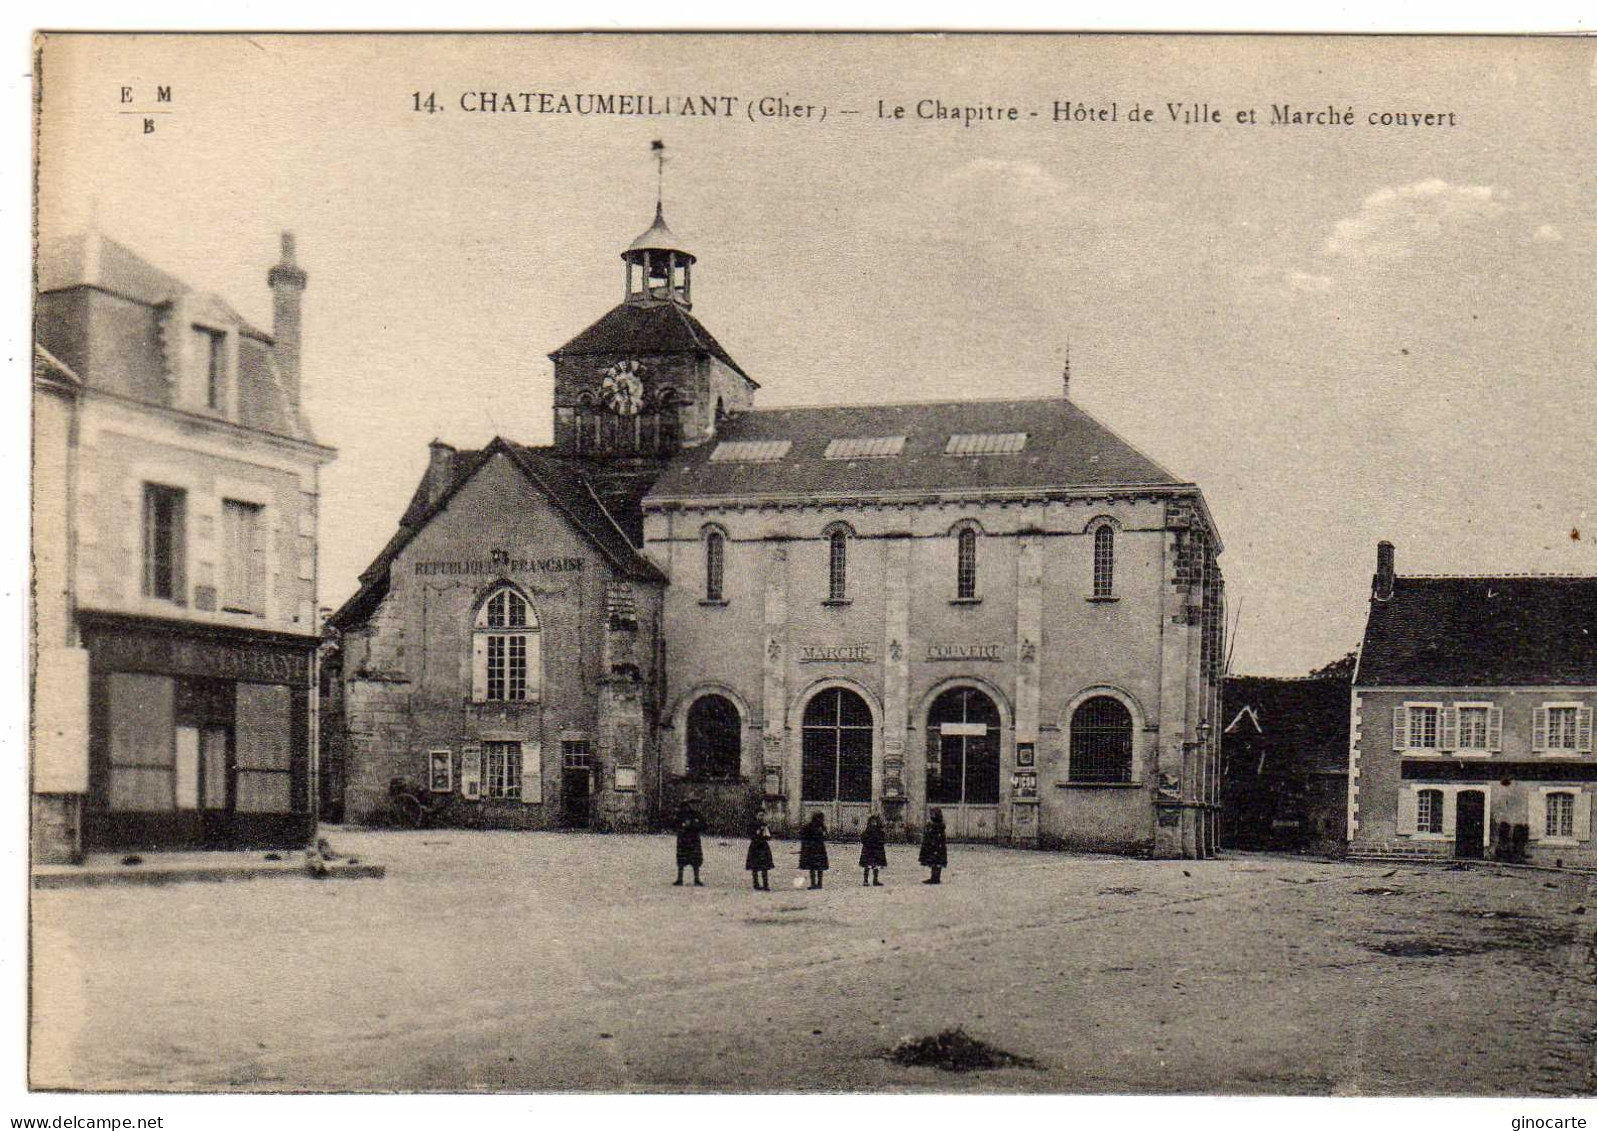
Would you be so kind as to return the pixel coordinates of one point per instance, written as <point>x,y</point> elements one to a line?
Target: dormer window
<point>212,366</point>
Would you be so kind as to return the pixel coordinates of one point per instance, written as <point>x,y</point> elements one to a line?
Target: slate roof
<point>1302,723</point>
<point>95,260</point>
<point>658,237</point>
<point>137,369</point>
<point>1482,632</point>
<point>1065,447</point>
<point>599,502</point>
<point>635,328</point>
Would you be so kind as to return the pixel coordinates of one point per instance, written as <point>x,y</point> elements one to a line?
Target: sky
<point>1340,333</point>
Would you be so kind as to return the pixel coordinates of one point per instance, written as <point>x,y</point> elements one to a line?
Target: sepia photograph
<point>789,563</point>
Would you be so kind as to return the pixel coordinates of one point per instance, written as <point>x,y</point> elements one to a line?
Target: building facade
<point>177,607</point>
<point>1472,718</point>
<point>999,609</point>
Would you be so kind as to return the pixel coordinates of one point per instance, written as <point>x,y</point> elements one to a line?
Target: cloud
<point>1395,223</point>
<point>1547,233</point>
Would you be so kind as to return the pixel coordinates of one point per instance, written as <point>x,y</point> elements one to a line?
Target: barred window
<point>502,770</point>
<point>714,565</point>
<point>1100,741</point>
<point>837,585</point>
<point>575,754</point>
<point>1103,562</point>
<point>967,565</point>
<point>1561,815</point>
<point>1428,811</point>
<point>505,649</point>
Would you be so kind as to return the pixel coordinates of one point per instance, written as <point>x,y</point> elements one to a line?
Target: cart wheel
<point>411,812</point>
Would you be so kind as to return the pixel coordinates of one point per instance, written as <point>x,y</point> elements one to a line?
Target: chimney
<point>1385,569</point>
<point>288,283</point>
<point>440,469</point>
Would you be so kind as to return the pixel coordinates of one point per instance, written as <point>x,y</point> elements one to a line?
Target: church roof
<point>659,237</point>
<point>1040,443</point>
<point>1482,632</point>
<point>602,504</point>
<point>634,328</point>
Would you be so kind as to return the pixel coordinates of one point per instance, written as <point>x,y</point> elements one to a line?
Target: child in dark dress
<point>872,852</point>
<point>934,846</point>
<point>812,849</point>
<point>758,861</point>
<point>690,849</point>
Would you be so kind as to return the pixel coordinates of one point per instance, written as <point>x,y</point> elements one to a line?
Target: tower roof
<point>658,238</point>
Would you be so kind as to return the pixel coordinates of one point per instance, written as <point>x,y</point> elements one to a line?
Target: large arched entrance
<point>715,739</point>
<point>836,770</point>
<point>964,744</point>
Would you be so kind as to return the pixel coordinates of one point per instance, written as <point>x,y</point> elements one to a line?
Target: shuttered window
<point>1417,726</point>
<point>502,770</point>
<point>243,555</point>
<point>1562,728</point>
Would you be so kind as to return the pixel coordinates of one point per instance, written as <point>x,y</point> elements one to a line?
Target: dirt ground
<point>568,962</point>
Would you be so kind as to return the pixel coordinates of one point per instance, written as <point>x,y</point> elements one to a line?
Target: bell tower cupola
<point>659,269</point>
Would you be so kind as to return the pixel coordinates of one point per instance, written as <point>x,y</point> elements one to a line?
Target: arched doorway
<point>964,745</point>
<point>836,753</point>
<point>715,739</point>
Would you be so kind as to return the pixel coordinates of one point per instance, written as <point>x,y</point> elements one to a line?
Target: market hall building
<point>999,609</point>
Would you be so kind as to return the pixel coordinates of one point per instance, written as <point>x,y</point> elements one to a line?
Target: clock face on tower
<point>622,390</point>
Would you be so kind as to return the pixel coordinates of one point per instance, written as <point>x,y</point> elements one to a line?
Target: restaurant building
<point>176,489</point>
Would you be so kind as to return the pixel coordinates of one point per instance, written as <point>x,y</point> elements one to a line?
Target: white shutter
<point>1408,806</point>
<point>1399,727</point>
<point>471,773</point>
<point>1582,816</point>
<point>1449,812</point>
<point>479,668</point>
<point>1583,734</point>
<point>532,771</point>
<point>1538,814</point>
<point>534,665</point>
<point>1494,728</point>
<point>1449,736</point>
<point>1538,740</point>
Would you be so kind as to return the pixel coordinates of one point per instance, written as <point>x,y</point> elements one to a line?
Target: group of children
<point>812,849</point>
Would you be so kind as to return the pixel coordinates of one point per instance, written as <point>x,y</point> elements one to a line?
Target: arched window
<point>1100,741</point>
<point>715,738</point>
<point>1103,561</point>
<point>837,565</point>
<point>505,656</point>
<point>1428,811</point>
<point>714,566</point>
<point>963,733</point>
<point>837,747</point>
<point>966,578</point>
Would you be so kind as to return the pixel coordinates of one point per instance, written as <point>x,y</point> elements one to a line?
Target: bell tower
<point>658,268</point>
<point>646,379</point>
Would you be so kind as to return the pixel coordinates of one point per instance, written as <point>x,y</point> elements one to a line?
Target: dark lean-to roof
<point>659,328</point>
<point>1482,632</point>
<point>603,505</point>
<point>1064,447</point>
